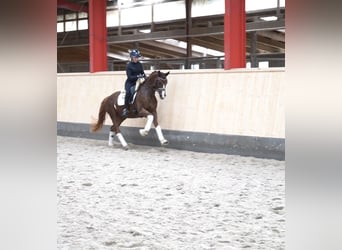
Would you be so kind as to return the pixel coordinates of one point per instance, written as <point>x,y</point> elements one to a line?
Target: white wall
<point>235,102</point>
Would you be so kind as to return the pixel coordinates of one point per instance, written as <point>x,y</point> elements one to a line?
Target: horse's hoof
<point>164,142</point>
<point>143,132</point>
<point>125,148</point>
<point>110,144</point>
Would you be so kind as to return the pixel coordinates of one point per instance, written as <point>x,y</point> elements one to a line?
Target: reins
<point>148,81</point>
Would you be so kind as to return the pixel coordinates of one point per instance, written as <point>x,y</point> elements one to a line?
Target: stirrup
<point>125,112</point>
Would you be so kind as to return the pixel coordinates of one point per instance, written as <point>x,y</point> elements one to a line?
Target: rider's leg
<point>131,99</point>
<point>127,98</point>
<point>132,89</point>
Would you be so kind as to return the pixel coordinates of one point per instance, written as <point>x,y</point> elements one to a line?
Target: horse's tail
<point>102,116</point>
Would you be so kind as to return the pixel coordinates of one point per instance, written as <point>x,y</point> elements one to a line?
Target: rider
<point>134,70</point>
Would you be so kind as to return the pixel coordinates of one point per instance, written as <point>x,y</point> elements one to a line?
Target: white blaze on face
<point>163,93</point>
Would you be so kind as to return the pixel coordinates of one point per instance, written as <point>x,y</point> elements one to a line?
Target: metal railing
<point>209,62</point>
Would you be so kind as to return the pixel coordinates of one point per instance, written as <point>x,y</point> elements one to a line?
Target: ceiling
<point>264,40</point>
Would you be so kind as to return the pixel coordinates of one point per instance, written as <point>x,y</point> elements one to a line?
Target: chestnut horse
<point>144,105</point>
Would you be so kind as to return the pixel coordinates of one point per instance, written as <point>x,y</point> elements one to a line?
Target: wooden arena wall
<point>234,112</point>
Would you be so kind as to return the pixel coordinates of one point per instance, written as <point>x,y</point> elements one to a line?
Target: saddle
<point>121,97</point>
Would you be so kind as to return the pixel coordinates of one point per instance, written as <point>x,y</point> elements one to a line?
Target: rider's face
<point>135,59</point>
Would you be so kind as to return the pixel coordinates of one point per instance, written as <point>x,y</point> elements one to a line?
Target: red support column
<point>234,34</point>
<point>97,35</point>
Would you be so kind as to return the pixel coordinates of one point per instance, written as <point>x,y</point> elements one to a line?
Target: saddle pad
<point>121,98</point>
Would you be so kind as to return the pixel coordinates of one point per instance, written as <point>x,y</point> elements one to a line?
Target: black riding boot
<point>125,110</point>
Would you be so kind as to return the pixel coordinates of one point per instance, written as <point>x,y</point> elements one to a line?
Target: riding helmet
<point>135,53</point>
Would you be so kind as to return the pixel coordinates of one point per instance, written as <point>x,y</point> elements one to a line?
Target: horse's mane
<point>150,78</point>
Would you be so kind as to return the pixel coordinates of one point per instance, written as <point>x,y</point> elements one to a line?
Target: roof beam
<point>274,35</point>
<point>265,25</point>
<point>65,4</point>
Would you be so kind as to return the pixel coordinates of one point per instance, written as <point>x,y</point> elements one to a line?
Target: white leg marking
<point>149,122</point>
<point>144,131</point>
<point>164,92</point>
<point>122,140</point>
<point>110,138</point>
<point>161,138</point>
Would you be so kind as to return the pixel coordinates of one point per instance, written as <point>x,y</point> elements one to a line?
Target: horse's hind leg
<point>112,133</point>
<point>115,130</point>
<point>122,141</point>
<point>111,138</point>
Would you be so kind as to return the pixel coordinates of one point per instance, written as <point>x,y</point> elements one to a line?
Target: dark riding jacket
<point>133,71</point>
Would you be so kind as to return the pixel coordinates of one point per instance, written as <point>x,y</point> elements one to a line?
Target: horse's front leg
<point>149,116</point>
<point>160,135</point>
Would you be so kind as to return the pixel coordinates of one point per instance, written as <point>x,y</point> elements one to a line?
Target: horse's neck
<point>148,86</point>
<point>147,89</point>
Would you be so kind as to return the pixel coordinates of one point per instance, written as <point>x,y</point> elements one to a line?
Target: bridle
<point>161,90</point>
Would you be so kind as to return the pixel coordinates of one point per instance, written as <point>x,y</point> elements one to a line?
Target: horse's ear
<point>159,73</point>
<point>167,73</point>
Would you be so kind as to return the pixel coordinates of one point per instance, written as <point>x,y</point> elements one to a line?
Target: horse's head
<point>160,83</point>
